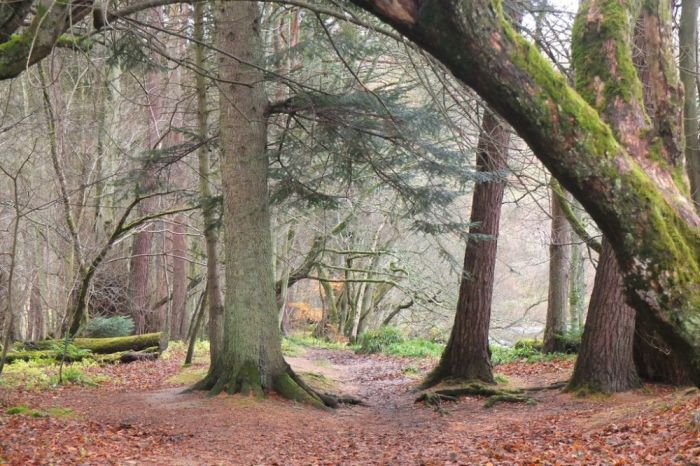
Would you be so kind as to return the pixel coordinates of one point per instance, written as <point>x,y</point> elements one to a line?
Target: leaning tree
<point>604,152</point>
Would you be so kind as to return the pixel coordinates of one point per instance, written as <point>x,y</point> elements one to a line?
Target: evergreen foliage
<point>108,327</point>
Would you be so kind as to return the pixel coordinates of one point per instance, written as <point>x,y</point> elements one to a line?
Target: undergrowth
<point>297,345</point>
<point>524,353</point>
<point>40,375</point>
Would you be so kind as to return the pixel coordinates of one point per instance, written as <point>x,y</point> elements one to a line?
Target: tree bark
<point>558,296</point>
<point>604,362</point>
<point>467,353</point>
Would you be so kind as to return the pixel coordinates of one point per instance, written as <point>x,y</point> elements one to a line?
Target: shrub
<point>76,376</point>
<point>532,344</point>
<point>416,348</point>
<point>108,327</point>
<point>379,340</point>
<point>525,353</point>
<point>72,352</point>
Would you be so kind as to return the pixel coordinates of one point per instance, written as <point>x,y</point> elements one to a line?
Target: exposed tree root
<point>288,385</point>
<point>494,395</point>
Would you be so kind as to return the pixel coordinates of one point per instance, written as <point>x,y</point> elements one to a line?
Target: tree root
<point>493,395</point>
<point>329,400</point>
<point>288,385</point>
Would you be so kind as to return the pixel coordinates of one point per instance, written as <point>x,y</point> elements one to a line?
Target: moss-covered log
<point>98,345</point>
<point>634,198</point>
<point>146,354</point>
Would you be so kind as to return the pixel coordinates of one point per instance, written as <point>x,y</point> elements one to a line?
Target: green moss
<point>53,411</point>
<point>288,388</point>
<point>248,380</point>
<point>188,376</point>
<point>17,410</point>
<point>57,411</point>
<point>601,42</point>
<point>12,53</point>
<point>318,382</point>
<point>74,42</point>
<point>558,96</point>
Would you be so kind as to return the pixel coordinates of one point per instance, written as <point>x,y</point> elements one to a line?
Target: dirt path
<point>160,425</point>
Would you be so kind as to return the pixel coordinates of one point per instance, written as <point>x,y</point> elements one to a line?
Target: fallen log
<point>96,345</point>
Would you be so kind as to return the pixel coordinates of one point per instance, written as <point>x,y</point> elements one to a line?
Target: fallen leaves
<point>133,418</point>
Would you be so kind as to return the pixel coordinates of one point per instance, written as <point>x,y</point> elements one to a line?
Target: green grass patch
<point>391,341</point>
<point>524,353</point>
<point>416,348</point>
<point>188,375</point>
<point>53,411</point>
<point>297,345</point>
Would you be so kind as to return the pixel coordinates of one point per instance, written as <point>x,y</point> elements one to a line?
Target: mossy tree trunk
<point>616,175</point>
<point>250,360</point>
<point>604,361</point>
<point>467,353</point>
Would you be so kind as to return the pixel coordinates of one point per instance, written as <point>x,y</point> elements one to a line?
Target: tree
<point>688,66</point>
<point>250,359</point>
<point>467,354</point>
<point>635,199</point>
<point>559,267</point>
<point>605,360</point>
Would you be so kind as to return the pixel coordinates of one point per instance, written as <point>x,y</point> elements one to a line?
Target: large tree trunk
<point>616,176</point>
<point>467,353</point>
<point>614,324</point>
<point>558,296</point>
<point>604,361</point>
<point>250,360</point>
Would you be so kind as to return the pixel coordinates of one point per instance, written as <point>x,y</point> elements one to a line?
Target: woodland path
<point>142,417</point>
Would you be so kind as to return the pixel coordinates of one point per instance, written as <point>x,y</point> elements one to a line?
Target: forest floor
<point>139,415</point>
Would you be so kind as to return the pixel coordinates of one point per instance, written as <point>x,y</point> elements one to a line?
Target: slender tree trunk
<point>197,319</point>
<point>211,234</point>
<point>577,284</point>
<point>688,45</point>
<point>178,253</point>
<point>36,313</point>
<point>605,360</point>
<point>558,296</point>
<point>250,360</point>
<point>139,269</point>
<point>467,353</point>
